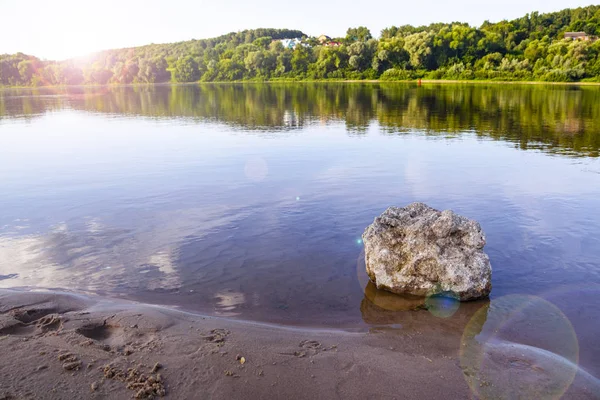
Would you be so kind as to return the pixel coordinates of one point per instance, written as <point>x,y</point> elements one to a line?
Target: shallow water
<point>249,201</point>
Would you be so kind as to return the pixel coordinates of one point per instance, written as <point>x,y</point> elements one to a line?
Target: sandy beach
<point>59,346</point>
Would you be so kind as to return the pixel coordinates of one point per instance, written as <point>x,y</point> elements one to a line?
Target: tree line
<point>531,48</point>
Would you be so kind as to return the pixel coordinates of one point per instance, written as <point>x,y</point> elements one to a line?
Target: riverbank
<point>58,345</point>
<point>415,81</point>
<point>284,81</point>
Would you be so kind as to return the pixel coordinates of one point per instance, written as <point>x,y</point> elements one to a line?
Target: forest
<point>531,48</point>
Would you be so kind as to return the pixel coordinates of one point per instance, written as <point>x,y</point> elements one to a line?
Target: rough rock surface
<point>422,251</point>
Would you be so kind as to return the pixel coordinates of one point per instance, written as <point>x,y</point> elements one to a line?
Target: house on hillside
<point>331,44</point>
<point>324,39</point>
<point>290,43</point>
<point>578,36</point>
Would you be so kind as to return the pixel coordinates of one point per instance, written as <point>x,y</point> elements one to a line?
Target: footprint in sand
<point>114,337</point>
<point>28,315</point>
<point>52,322</point>
<point>311,344</point>
<point>310,347</point>
<point>98,332</point>
<point>24,321</point>
<point>217,336</point>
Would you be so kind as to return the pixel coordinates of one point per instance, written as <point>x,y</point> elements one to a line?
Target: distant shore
<point>283,81</point>
<point>415,82</point>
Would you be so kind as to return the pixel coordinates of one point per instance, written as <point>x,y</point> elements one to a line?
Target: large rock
<point>421,251</point>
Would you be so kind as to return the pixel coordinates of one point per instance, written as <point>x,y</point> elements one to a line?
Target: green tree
<point>153,70</point>
<point>260,63</point>
<point>361,34</point>
<point>420,49</point>
<point>301,58</point>
<point>361,54</point>
<point>26,71</point>
<point>186,70</point>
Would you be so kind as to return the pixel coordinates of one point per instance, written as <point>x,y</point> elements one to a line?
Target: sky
<point>60,29</point>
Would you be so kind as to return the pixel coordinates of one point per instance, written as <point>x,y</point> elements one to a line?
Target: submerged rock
<point>422,251</point>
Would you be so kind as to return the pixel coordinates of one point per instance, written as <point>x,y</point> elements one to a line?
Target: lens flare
<point>584,315</point>
<point>519,346</point>
<point>442,307</point>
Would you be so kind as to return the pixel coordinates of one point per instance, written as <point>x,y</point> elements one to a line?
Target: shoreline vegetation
<point>307,81</point>
<point>553,47</point>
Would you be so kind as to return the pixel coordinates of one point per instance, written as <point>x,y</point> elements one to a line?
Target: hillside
<point>529,48</point>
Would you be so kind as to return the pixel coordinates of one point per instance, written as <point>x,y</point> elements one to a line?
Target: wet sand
<point>65,346</point>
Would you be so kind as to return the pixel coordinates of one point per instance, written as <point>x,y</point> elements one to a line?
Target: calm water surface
<point>250,200</point>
